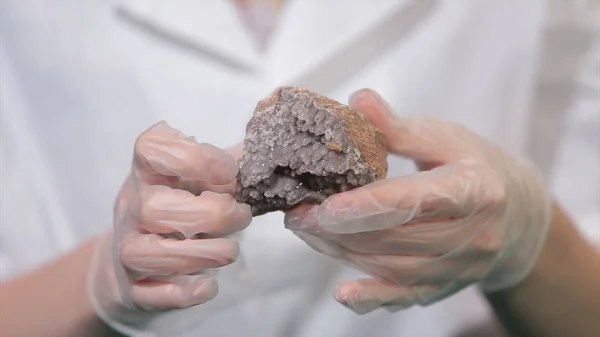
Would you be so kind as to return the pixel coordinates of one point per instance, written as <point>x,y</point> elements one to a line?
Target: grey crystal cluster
<point>297,150</point>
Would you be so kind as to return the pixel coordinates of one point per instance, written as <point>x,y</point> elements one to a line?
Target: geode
<point>301,147</point>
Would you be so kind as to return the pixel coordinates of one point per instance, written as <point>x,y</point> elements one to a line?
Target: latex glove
<point>171,222</point>
<point>474,214</point>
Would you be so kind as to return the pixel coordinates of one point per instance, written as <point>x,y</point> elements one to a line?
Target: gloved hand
<point>172,219</point>
<point>473,214</point>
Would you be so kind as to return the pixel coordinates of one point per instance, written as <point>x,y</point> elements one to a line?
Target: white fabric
<point>578,155</point>
<point>92,75</point>
<point>28,203</point>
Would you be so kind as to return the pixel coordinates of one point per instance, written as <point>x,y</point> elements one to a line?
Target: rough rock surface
<point>301,147</point>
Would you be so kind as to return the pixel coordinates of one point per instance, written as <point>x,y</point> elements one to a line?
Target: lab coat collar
<point>311,35</point>
<point>207,28</point>
<point>320,44</point>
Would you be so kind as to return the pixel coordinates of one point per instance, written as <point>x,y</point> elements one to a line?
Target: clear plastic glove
<point>473,214</point>
<point>172,219</point>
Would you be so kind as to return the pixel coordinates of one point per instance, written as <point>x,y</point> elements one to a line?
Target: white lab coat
<point>81,79</point>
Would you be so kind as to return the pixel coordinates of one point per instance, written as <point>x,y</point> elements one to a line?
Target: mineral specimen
<point>301,147</point>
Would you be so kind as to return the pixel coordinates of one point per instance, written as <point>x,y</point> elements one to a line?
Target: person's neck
<point>260,17</point>
<point>275,3</point>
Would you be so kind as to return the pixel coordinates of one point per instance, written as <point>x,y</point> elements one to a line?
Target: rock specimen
<point>301,147</point>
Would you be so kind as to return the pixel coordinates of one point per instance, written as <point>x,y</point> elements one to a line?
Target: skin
<point>52,301</point>
<point>561,296</point>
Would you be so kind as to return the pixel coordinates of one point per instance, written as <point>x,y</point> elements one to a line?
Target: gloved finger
<point>303,218</point>
<point>421,270</point>
<point>430,238</point>
<point>196,187</point>
<point>164,156</point>
<point>151,255</point>
<point>446,192</point>
<point>408,269</point>
<point>425,140</point>
<point>184,291</point>
<point>365,295</point>
<point>163,210</point>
